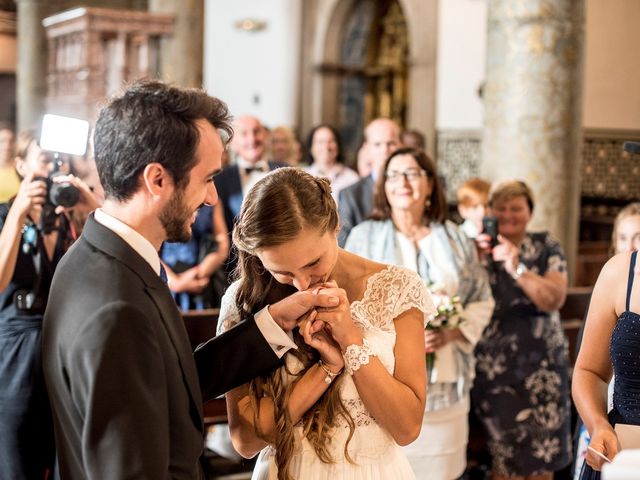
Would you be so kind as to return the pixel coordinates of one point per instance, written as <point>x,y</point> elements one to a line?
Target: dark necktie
<point>163,274</point>
<point>248,170</point>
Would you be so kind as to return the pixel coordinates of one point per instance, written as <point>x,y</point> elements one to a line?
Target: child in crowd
<point>473,197</point>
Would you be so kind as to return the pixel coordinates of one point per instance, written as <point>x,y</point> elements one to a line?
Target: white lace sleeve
<point>413,294</point>
<point>229,314</point>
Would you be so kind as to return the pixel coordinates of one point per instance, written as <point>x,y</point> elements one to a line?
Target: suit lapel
<point>174,325</point>
<point>113,245</point>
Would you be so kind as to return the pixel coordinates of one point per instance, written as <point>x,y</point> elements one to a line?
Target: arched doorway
<point>367,59</point>
<point>370,77</point>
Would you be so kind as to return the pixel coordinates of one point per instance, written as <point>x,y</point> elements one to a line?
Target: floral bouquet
<point>447,315</point>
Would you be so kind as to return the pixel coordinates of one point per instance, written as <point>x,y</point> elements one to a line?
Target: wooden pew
<point>592,255</point>
<point>201,326</point>
<point>572,315</point>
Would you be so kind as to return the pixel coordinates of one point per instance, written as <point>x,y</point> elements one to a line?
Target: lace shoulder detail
<point>229,314</point>
<point>389,293</point>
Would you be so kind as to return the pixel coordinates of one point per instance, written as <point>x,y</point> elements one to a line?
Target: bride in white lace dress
<point>353,386</point>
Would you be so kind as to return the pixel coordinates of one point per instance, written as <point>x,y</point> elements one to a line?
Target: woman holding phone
<point>521,391</point>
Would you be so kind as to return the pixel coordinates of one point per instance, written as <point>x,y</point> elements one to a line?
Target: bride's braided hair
<point>275,211</point>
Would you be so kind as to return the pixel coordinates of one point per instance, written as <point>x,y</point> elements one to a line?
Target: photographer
<point>521,389</point>
<point>34,235</point>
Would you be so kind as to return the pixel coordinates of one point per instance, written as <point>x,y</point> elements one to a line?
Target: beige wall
<point>612,64</point>
<point>7,53</point>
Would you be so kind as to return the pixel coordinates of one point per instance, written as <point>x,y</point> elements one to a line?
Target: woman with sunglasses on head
<point>409,228</point>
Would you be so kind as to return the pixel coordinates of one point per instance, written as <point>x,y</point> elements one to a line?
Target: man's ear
<point>156,179</point>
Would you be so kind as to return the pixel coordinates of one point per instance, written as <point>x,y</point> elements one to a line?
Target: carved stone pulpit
<point>94,51</point>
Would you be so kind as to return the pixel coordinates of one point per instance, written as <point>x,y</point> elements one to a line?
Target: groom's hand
<point>288,311</point>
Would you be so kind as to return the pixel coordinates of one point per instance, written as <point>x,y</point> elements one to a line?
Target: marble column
<point>181,55</point>
<point>532,127</point>
<point>31,72</point>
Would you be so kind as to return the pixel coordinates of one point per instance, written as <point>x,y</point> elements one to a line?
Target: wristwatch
<point>520,269</point>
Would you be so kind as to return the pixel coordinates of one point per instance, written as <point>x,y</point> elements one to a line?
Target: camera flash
<point>64,134</point>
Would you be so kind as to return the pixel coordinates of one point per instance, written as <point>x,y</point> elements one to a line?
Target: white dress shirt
<point>249,179</point>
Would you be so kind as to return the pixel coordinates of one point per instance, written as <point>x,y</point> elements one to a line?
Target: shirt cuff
<point>279,341</point>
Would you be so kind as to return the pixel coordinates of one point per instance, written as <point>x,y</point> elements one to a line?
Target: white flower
<point>546,449</point>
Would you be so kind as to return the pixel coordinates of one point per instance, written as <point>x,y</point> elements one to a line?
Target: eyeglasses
<point>410,175</point>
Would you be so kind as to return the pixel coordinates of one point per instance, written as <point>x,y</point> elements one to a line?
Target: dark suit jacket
<point>121,376</point>
<point>230,194</point>
<point>355,205</point>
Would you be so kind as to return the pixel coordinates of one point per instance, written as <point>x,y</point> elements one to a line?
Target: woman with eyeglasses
<point>409,228</point>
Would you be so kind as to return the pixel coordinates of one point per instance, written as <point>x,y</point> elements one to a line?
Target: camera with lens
<point>59,194</point>
<point>60,135</point>
<point>27,301</point>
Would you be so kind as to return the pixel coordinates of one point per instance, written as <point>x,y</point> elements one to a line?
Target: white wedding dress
<point>376,455</point>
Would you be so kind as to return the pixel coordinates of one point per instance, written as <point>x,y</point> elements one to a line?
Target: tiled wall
<point>608,173</point>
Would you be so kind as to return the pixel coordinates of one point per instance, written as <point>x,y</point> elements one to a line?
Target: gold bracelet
<point>330,375</point>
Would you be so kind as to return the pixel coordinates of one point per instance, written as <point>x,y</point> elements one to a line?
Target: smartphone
<point>490,227</point>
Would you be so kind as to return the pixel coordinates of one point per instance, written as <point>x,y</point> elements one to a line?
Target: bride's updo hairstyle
<point>275,211</point>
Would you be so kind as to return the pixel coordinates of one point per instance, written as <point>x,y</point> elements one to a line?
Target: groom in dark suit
<point>125,390</point>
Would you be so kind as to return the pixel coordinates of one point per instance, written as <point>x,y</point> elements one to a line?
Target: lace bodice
<point>389,293</point>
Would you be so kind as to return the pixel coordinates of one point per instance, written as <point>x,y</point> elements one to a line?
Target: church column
<point>181,57</point>
<point>532,127</point>
<point>31,72</point>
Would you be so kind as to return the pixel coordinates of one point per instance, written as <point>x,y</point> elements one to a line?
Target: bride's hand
<point>323,343</point>
<point>338,319</point>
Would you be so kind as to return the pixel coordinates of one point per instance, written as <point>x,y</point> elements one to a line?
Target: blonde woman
<point>521,391</point>
<point>602,410</point>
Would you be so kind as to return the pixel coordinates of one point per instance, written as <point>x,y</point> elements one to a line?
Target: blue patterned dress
<point>624,348</point>
<point>521,391</point>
